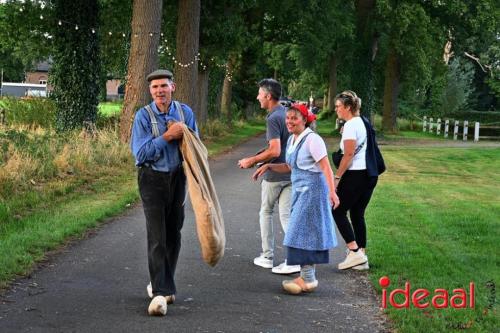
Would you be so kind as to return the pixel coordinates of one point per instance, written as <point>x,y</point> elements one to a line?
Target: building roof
<point>43,66</point>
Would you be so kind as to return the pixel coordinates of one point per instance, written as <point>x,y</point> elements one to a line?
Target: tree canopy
<point>402,57</point>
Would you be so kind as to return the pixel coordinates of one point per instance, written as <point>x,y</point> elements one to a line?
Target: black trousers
<point>355,190</point>
<point>163,195</point>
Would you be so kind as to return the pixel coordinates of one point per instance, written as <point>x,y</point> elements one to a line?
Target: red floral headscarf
<point>310,117</point>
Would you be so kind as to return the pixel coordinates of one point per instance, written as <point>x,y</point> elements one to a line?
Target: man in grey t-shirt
<point>275,187</point>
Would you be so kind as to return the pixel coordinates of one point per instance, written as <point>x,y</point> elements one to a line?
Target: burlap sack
<point>207,211</point>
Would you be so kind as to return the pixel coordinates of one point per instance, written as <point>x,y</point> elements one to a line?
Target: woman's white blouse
<point>312,151</point>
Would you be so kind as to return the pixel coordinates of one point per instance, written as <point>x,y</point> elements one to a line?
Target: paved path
<point>98,284</point>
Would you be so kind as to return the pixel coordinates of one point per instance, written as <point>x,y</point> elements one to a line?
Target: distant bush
<point>108,121</point>
<point>457,93</point>
<point>480,116</point>
<point>34,156</point>
<point>30,111</point>
<point>213,128</point>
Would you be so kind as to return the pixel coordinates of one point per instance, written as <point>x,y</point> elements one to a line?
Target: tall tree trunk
<point>249,111</point>
<point>247,73</point>
<point>325,99</point>
<point>76,73</point>
<point>143,59</point>
<point>225,103</point>
<point>332,83</point>
<point>188,38</point>
<point>251,59</point>
<point>202,108</point>
<point>391,92</point>
<point>216,110</point>
<point>227,87</point>
<point>362,75</point>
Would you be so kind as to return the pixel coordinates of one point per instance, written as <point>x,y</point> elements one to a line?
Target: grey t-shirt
<point>276,129</point>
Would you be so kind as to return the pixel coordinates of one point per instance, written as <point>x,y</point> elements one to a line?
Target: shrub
<point>213,128</point>
<point>33,156</point>
<point>108,121</point>
<point>30,111</point>
<point>458,90</point>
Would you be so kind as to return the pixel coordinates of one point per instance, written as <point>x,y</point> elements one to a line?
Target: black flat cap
<point>160,74</point>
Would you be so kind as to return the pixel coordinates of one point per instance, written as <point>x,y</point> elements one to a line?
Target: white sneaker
<point>362,267</point>
<point>353,259</point>
<point>283,268</point>
<point>170,298</point>
<point>263,261</point>
<point>158,306</point>
<point>149,289</point>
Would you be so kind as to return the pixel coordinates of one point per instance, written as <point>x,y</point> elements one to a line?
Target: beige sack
<point>207,211</point>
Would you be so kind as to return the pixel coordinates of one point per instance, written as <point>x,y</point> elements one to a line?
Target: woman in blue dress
<point>310,232</point>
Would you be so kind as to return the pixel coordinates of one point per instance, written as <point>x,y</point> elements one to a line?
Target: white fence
<point>428,124</point>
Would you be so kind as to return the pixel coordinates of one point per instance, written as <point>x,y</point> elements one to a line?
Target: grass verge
<point>434,222</point>
<point>238,133</point>
<point>25,241</point>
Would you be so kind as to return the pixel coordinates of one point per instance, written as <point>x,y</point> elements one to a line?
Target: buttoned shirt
<point>159,153</point>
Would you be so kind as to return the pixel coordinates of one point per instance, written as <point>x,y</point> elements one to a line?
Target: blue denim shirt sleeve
<point>190,119</point>
<point>145,147</point>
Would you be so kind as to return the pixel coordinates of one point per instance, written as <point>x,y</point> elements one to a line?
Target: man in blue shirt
<point>156,134</point>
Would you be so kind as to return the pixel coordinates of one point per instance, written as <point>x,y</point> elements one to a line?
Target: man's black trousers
<point>163,195</point>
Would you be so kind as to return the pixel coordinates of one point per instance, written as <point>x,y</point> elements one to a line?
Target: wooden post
<point>476,131</point>
<point>2,116</point>
<point>446,127</point>
<point>424,124</point>
<point>438,126</point>
<point>430,125</point>
<point>455,130</point>
<point>466,129</point>
<point>337,123</point>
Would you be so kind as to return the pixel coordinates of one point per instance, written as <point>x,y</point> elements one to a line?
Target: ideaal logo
<point>440,298</point>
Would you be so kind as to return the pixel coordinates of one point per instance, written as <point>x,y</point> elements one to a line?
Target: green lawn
<point>422,135</point>
<point>26,240</point>
<point>434,221</point>
<point>109,109</point>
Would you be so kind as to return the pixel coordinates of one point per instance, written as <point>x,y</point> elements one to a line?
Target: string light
<point>161,49</point>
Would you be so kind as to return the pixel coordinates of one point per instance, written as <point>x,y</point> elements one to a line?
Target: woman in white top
<point>310,232</point>
<point>354,185</point>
